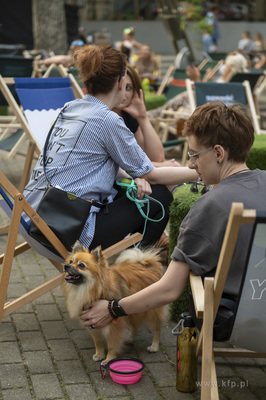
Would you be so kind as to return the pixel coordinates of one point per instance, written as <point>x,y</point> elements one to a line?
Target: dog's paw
<point>98,357</point>
<point>153,348</point>
<point>106,361</point>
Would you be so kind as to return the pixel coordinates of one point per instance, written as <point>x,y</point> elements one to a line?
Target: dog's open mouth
<point>72,276</point>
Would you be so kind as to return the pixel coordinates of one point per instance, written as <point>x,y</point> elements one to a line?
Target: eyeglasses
<point>193,157</point>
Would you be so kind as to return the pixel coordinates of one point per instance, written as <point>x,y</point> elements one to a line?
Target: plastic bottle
<point>187,361</point>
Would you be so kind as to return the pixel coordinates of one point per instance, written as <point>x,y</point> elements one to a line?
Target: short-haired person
<point>220,138</point>
<point>90,148</point>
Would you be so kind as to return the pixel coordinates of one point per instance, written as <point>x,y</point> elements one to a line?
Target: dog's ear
<point>78,247</point>
<point>97,253</point>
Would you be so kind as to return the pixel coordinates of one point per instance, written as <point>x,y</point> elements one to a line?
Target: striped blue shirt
<point>87,146</point>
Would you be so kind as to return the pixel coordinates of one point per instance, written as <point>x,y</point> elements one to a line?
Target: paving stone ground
<point>46,355</point>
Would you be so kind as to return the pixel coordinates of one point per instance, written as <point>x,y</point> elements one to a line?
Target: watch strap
<point>115,309</point>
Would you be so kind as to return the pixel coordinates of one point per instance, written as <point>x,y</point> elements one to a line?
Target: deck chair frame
<point>163,127</point>
<point>20,118</point>
<point>24,178</point>
<point>259,89</point>
<point>208,75</point>
<point>250,102</point>
<point>20,205</point>
<point>207,299</point>
<point>212,71</point>
<point>76,88</point>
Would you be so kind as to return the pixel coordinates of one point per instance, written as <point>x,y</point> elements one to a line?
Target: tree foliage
<point>195,12</point>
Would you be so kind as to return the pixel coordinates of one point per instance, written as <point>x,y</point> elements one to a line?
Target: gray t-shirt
<point>202,230</point>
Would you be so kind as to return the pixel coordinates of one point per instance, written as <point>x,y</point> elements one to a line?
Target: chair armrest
<point>176,114</point>
<point>197,294</point>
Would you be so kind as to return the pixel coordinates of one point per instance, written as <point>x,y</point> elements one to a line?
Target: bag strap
<point>93,202</point>
<point>46,145</point>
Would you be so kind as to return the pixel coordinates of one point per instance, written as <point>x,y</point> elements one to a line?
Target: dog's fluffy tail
<point>135,255</point>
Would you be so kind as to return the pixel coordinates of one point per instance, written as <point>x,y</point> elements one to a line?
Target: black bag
<point>224,321</point>
<point>64,212</point>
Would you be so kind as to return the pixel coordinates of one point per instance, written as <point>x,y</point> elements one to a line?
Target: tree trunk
<point>259,10</point>
<point>49,26</point>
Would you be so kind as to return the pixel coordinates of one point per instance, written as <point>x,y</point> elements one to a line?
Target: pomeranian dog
<point>89,277</point>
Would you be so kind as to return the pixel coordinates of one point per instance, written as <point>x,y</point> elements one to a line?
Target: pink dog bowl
<point>124,371</point>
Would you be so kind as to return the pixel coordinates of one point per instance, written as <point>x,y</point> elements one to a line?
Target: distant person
<point>81,34</point>
<point>146,63</point>
<point>129,45</point>
<point>208,43</point>
<point>212,22</point>
<point>259,42</point>
<point>247,44</point>
<point>67,60</point>
<point>259,58</point>
<point>235,62</point>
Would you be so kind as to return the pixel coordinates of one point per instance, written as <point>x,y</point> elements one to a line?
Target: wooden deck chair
<point>165,79</point>
<point>14,205</point>
<point>41,99</point>
<point>227,92</point>
<point>56,71</point>
<point>259,94</point>
<point>11,65</point>
<point>24,178</point>
<point>14,128</point>
<point>252,77</point>
<point>73,74</point>
<point>15,66</point>
<point>165,126</point>
<point>217,55</point>
<point>177,84</point>
<point>211,69</point>
<point>249,327</point>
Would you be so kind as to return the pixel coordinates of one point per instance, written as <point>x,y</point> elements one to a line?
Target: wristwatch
<point>117,309</point>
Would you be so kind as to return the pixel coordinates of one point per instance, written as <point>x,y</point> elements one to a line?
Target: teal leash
<point>131,193</point>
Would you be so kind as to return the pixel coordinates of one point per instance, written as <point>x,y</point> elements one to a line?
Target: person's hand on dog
<point>97,316</point>
<point>143,187</point>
